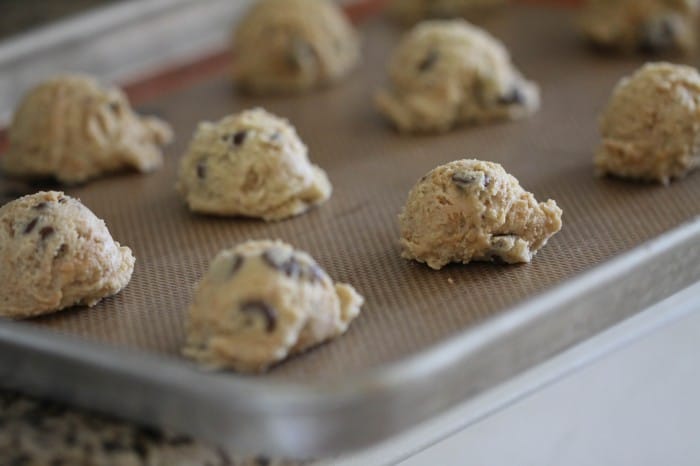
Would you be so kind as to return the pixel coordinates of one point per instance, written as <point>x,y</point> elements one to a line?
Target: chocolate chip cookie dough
<point>261,302</point>
<point>71,129</point>
<point>411,11</point>
<point>251,164</point>
<point>447,73</point>
<point>469,210</point>
<point>651,127</point>
<point>649,26</point>
<point>55,253</point>
<point>293,46</point>
<point>42,433</point>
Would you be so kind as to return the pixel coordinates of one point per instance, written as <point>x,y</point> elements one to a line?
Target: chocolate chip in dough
<point>264,310</point>
<point>30,226</point>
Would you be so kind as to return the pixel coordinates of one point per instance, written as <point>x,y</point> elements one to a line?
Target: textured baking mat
<point>354,236</point>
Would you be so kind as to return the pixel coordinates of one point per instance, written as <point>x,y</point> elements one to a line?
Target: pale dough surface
<point>411,11</point>
<point>446,73</point>
<point>293,46</point>
<point>262,301</point>
<point>55,253</point>
<point>72,129</point>
<point>651,127</point>
<point>470,210</point>
<point>650,26</point>
<point>250,164</point>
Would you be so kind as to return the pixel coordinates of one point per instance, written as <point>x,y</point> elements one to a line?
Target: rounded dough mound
<point>411,11</point>
<point>55,253</point>
<point>649,26</point>
<point>261,302</point>
<point>651,127</point>
<point>71,129</point>
<point>251,164</point>
<point>469,210</point>
<point>292,46</point>
<point>446,73</point>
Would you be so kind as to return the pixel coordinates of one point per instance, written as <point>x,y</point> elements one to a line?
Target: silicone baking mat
<point>354,236</point>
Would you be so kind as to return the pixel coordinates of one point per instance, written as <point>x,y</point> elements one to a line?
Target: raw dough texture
<point>449,72</point>
<point>469,210</point>
<point>284,46</point>
<point>649,26</point>
<point>73,130</point>
<point>651,127</point>
<point>252,164</point>
<point>411,11</point>
<point>261,302</point>
<point>55,253</point>
<point>42,433</point>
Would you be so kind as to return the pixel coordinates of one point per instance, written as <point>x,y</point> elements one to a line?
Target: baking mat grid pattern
<point>354,236</point>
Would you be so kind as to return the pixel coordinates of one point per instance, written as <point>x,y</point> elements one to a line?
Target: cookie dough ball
<point>411,11</point>
<point>469,210</point>
<point>651,127</point>
<point>71,129</point>
<point>261,302</point>
<point>650,26</point>
<point>251,164</point>
<point>447,73</point>
<point>55,253</point>
<point>285,46</point>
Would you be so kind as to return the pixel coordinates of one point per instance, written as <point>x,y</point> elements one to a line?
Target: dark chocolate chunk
<point>468,179</point>
<point>281,260</point>
<point>236,264</point>
<point>487,180</point>
<point>264,310</point>
<point>46,232</point>
<point>429,60</point>
<point>30,226</point>
<point>657,36</point>
<point>201,169</point>
<point>62,200</point>
<point>513,97</point>
<point>112,446</point>
<point>239,137</point>
<point>152,435</point>
<point>300,53</point>
<point>115,107</point>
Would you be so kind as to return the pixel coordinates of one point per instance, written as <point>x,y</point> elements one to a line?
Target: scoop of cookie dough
<point>261,302</point>
<point>293,46</point>
<point>251,164</point>
<point>411,11</point>
<point>651,127</point>
<point>55,253</point>
<point>446,73</point>
<point>71,129</point>
<point>469,210</point>
<point>642,25</point>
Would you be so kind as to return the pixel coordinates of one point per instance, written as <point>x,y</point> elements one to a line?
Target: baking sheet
<point>354,236</point>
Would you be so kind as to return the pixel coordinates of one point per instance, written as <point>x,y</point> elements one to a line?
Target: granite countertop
<point>19,16</point>
<point>41,433</point>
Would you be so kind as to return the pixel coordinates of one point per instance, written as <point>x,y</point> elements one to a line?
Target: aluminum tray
<point>426,340</point>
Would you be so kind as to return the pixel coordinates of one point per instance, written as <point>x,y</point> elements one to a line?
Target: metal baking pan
<point>426,340</point>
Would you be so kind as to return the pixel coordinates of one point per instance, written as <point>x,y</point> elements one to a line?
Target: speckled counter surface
<point>40,433</point>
